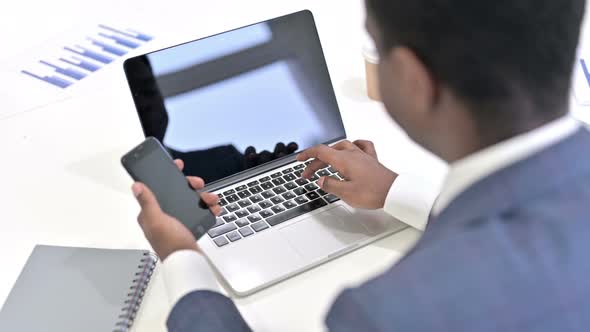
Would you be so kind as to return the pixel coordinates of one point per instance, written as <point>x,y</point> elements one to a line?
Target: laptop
<point>237,107</point>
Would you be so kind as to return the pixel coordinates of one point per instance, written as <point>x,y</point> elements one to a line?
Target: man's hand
<point>367,181</point>
<point>165,233</point>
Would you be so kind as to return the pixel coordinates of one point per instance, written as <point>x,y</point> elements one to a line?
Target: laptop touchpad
<point>325,233</point>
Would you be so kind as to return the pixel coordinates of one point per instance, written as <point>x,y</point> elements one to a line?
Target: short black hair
<point>504,58</point>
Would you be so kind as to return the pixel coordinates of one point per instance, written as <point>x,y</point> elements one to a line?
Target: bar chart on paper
<point>78,59</point>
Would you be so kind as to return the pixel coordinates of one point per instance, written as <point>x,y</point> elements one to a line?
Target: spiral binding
<point>138,287</point>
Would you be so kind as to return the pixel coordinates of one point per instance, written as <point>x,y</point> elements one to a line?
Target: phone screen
<point>150,164</point>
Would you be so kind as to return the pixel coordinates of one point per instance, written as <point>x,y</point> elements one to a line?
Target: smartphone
<point>151,164</point>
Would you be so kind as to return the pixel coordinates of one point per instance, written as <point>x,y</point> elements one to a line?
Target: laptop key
<point>278,209</point>
<point>321,192</point>
<point>218,222</point>
<point>254,208</point>
<point>279,190</point>
<point>221,241</point>
<point>301,182</point>
<point>233,207</point>
<point>242,222</point>
<point>267,185</point>
<point>278,181</point>
<point>300,166</point>
<point>234,236</point>
<point>222,202</point>
<point>276,175</point>
<point>265,214</point>
<point>311,187</point>
<point>246,231</point>
<point>256,199</point>
<point>265,204</point>
<point>242,213</point>
<point>298,173</point>
<point>232,198</point>
<point>244,203</point>
<point>324,172</point>
<point>296,212</point>
<point>268,194</point>
<point>290,186</point>
<point>259,226</point>
<point>277,200</point>
<point>254,218</point>
<point>222,213</point>
<point>264,179</point>
<point>287,171</point>
<point>217,231</point>
<point>314,178</point>
<point>253,183</point>
<point>289,195</point>
<point>332,169</point>
<point>256,190</point>
<point>230,218</point>
<point>229,192</point>
<point>244,194</point>
<point>241,188</point>
<point>289,177</point>
<point>301,200</point>
<point>299,191</point>
<point>289,204</point>
<point>331,198</point>
<point>312,195</point>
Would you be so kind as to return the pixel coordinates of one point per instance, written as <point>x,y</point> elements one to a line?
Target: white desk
<point>61,182</point>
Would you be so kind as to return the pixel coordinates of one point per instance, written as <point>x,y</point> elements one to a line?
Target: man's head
<point>459,75</point>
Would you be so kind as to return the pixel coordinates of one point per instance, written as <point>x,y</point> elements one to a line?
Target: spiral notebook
<point>78,289</point>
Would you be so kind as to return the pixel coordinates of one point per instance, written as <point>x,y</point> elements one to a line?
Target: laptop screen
<point>240,99</point>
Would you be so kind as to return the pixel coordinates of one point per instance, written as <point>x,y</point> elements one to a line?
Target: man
<point>485,86</point>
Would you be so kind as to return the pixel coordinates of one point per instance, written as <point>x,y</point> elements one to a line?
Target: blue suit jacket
<point>509,254</point>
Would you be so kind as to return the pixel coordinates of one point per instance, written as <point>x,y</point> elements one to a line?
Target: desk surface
<point>61,182</point>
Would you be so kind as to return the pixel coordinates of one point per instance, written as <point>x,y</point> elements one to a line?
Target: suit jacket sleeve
<point>206,311</point>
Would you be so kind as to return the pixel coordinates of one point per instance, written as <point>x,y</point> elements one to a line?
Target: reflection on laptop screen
<point>239,99</point>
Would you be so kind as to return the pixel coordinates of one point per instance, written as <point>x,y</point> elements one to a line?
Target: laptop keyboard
<point>268,201</point>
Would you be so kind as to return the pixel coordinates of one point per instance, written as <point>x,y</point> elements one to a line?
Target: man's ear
<point>416,81</point>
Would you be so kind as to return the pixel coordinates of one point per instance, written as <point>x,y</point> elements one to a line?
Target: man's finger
<point>146,199</point>
<point>367,146</point>
<point>315,166</point>
<point>344,145</point>
<point>210,199</point>
<point>335,186</point>
<point>216,210</point>
<point>323,153</point>
<point>196,182</point>
<point>180,164</point>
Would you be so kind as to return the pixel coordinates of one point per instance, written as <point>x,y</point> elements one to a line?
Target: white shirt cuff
<point>410,200</point>
<point>186,271</point>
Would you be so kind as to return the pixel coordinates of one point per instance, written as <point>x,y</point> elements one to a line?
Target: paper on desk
<point>66,65</point>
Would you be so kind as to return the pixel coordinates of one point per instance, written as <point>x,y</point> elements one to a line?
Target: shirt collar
<point>469,170</point>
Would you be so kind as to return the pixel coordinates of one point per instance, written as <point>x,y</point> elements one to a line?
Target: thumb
<point>146,199</point>
<point>333,186</point>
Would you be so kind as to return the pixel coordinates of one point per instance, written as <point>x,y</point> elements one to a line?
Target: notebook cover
<point>71,289</point>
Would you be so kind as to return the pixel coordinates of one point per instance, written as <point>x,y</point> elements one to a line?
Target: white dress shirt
<point>409,199</point>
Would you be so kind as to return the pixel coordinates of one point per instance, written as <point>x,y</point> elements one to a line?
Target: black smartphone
<point>151,164</point>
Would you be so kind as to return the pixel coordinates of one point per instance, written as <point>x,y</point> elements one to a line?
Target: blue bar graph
<point>129,33</point>
<point>82,64</point>
<point>98,49</point>
<point>120,41</point>
<point>586,71</point>
<point>57,81</point>
<point>91,54</point>
<point>108,48</point>
<point>77,75</point>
